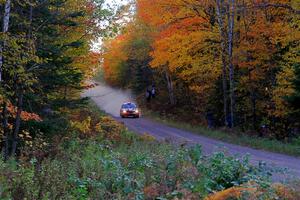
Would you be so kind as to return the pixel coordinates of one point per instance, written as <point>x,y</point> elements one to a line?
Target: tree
<point>4,30</point>
<point>245,51</point>
<point>4,110</point>
<point>220,17</point>
<point>185,45</point>
<point>43,53</point>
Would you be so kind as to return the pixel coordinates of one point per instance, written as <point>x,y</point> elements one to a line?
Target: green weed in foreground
<point>99,169</point>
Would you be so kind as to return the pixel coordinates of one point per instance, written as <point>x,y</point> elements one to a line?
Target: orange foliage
<point>254,192</point>
<point>113,58</point>
<point>230,193</point>
<point>184,43</point>
<point>25,116</point>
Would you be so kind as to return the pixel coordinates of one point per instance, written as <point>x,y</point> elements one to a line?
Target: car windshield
<point>128,106</point>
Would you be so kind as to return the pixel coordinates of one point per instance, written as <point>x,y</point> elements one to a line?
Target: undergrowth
<point>98,158</point>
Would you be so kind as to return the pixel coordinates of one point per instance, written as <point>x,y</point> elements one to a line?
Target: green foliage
<point>46,56</point>
<point>89,169</point>
<point>116,164</point>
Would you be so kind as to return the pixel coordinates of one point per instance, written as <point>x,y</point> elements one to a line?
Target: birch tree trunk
<point>4,108</point>
<point>220,13</point>
<point>4,30</point>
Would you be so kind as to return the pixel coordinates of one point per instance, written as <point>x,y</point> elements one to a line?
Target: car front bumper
<point>129,114</point>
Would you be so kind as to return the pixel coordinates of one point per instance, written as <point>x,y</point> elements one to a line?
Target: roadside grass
<point>242,139</point>
<point>98,158</point>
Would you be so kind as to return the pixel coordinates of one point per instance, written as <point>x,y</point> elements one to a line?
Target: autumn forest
<point>236,60</point>
<point>215,91</point>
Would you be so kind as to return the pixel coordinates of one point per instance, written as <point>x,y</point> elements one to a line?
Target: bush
<point>89,169</point>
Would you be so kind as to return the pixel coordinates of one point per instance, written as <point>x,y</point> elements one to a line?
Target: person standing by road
<point>210,119</point>
<point>148,95</point>
<point>153,91</point>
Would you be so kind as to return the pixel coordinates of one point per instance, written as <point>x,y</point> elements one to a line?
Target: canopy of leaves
<point>184,38</point>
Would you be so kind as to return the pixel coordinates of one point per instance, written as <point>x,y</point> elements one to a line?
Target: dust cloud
<point>109,99</point>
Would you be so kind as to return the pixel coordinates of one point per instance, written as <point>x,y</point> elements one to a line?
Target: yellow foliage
<point>284,88</point>
<point>148,137</point>
<point>110,129</point>
<point>283,192</point>
<point>230,193</point>
<point>84,126</point>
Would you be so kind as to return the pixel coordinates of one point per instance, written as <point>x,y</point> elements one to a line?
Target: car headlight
<point>124,111</point>
<point>136,111</point>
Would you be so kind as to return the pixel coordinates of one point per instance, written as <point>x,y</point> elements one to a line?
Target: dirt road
<point>110,100</point>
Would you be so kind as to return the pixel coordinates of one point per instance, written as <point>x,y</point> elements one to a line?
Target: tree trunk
<point>6,15</point>
<point>65,93</point>
<point>4,111</point>
<point>219,9</point>
<point>170,87</point>
<point>5,131</point>
<point>4,30</point>
<point>231,15</point>
<point>254,117</point>
<point>17,122</point>
<point>21,92</point>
